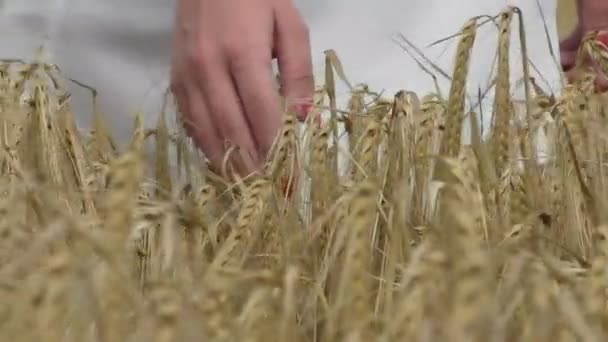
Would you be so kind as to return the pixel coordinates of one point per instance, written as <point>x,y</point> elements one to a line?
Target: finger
<point>568,48</point>
<point>182,102</point>
<point>228,116</point>
<point>601,81</point>
<point>293,54</point>
<point>198,123</point>
<point>568,59</point>
<point>260,101</point>
<point>601,84</point>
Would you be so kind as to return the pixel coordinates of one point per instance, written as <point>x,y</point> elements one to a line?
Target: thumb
<point>292,50</point>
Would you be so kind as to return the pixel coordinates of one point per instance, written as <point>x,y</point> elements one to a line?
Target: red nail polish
<point>305,109</point>
<point>302,108</point>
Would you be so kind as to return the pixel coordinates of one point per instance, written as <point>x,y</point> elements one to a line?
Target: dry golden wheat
<point>425,238</point>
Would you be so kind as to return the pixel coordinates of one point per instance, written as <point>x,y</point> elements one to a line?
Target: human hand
<point>592,16</point>
<point>222,74</point>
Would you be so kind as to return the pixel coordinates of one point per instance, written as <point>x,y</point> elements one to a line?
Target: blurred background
<point>566,17</point>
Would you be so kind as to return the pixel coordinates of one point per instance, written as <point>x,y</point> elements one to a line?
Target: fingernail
<point>302,107</point>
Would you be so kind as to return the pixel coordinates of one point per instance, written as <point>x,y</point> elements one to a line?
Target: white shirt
<point>122,47</point>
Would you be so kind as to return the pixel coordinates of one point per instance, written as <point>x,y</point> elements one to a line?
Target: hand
<point>592,15</point>
<point>222,74</point>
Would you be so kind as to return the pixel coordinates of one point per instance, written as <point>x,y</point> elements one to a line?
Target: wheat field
<point>422,238</point>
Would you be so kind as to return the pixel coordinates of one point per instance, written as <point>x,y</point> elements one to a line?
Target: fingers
<point>227,113</point>
<point>601,80</point>
<point>568,48</point>
<point>568,55</point>
<point>226,87</point>
<point>256,88</point>
<point>568,59</point>
<point>293,53</point>
<point>601,84</point>
<point>197,122</point>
